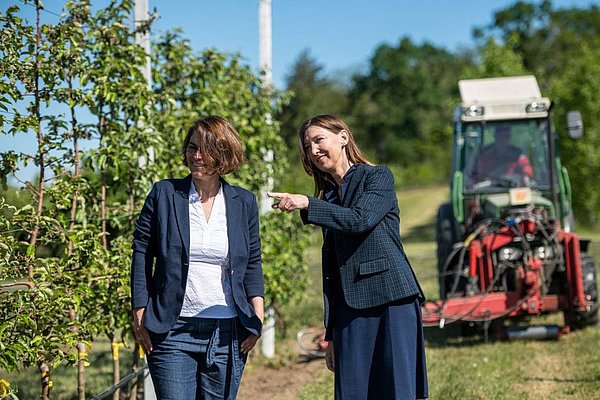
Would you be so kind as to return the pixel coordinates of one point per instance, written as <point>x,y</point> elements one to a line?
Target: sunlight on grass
<point>320,389</point>
<point>470,369</point>
<point>458,368</point>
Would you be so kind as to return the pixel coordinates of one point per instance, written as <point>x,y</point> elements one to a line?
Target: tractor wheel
<point>446,235</point>
<point>580,319</point>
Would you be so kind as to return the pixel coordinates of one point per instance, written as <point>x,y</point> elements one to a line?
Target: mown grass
<point>472,369</point>
<point>458,368</point>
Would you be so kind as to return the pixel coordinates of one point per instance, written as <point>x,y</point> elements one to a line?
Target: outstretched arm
<point>376,198</point>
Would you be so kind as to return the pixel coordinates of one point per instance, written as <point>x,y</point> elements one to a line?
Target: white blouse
<point>208,288</point>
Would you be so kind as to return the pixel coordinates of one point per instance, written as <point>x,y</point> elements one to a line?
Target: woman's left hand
<point>289,202</point>
<point>249,343</point>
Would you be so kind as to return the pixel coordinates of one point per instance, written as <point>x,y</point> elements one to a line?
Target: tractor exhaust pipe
<point>538,332</point>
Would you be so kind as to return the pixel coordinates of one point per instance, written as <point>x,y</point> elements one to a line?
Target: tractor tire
<point>580,319</point>
<point>446,235</point>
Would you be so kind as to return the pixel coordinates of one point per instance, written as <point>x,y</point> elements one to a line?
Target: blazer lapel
<point>355,179</point>
<point>233,207</point>
<point>182,210</point>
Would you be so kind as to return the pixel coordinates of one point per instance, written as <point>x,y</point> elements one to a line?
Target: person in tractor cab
<point>501,158</point>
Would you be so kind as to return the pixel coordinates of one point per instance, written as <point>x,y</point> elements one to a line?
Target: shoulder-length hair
<point>219,144</point>
<point>334,125</point>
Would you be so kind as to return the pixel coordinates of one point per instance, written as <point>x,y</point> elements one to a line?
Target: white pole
<point>265,56</point>
<point>140,16</point>
<point>265,53</point>
<point>142,38</point>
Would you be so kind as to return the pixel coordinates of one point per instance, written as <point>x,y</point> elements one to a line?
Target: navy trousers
<point>379,352</point>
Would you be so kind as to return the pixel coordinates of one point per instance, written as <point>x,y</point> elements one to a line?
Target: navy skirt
<point>380,352</point>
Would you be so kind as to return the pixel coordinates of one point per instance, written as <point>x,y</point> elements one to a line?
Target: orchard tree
<point>68,236</point>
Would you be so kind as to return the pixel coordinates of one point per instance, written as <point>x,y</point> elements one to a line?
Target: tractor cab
<point>504,153</point>
<point>501,155</point>
<point>499,160</point>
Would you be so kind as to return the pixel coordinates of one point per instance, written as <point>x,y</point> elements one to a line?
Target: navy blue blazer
<point>161,243</point>
<point>362,243</point>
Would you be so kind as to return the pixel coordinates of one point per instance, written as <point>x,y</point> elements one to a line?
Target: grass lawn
<point>458,368</point>
<point>568,368</point>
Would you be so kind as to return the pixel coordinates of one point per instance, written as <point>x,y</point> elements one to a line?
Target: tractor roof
<point>514,97</point>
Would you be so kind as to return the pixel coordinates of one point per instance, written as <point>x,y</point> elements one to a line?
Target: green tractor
<point>505,243</point>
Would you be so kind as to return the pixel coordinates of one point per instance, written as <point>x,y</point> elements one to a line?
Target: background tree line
<point>400,109</point>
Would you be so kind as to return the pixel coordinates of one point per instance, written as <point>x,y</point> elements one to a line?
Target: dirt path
<point>281,383</point>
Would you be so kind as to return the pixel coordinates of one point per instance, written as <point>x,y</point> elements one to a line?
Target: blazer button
<point>231,272</point>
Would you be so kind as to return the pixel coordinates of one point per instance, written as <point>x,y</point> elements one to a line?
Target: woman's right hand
<point>329,357</point>
<point>140,332</point>
<point>289,202</point>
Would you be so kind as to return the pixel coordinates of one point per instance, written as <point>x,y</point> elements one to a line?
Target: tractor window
<point>500,155</point>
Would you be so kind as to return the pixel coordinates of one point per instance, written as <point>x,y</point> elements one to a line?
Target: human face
<point>193,156</point>
<point>326,149</point>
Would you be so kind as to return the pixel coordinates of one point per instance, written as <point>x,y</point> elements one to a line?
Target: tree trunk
<point>115,345</point>
<point>82,351</point>
<point>39,135</point>
<point>134,368</point>
<point>46,382</point>
<point>75,133</point>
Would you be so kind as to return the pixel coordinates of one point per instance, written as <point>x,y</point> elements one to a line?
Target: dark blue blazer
<point>362,243</point>
<point>161,244</point>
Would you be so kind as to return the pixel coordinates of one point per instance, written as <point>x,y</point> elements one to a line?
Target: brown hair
<point>334,125</point>
<point>220,144</point>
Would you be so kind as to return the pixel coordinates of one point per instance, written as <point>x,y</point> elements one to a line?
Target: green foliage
<point>38,325</point>
<point>578,89</point>
<point>71,236</point>
<point>401,107</point>
<point>189,86</point>
<point>496,60</point>
<point>285,269</point>
<point>311,93</point>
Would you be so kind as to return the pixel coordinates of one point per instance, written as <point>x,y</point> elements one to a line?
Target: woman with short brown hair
<point>196,280</point>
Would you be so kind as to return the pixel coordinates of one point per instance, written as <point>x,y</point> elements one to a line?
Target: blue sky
<point>340,34</point>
